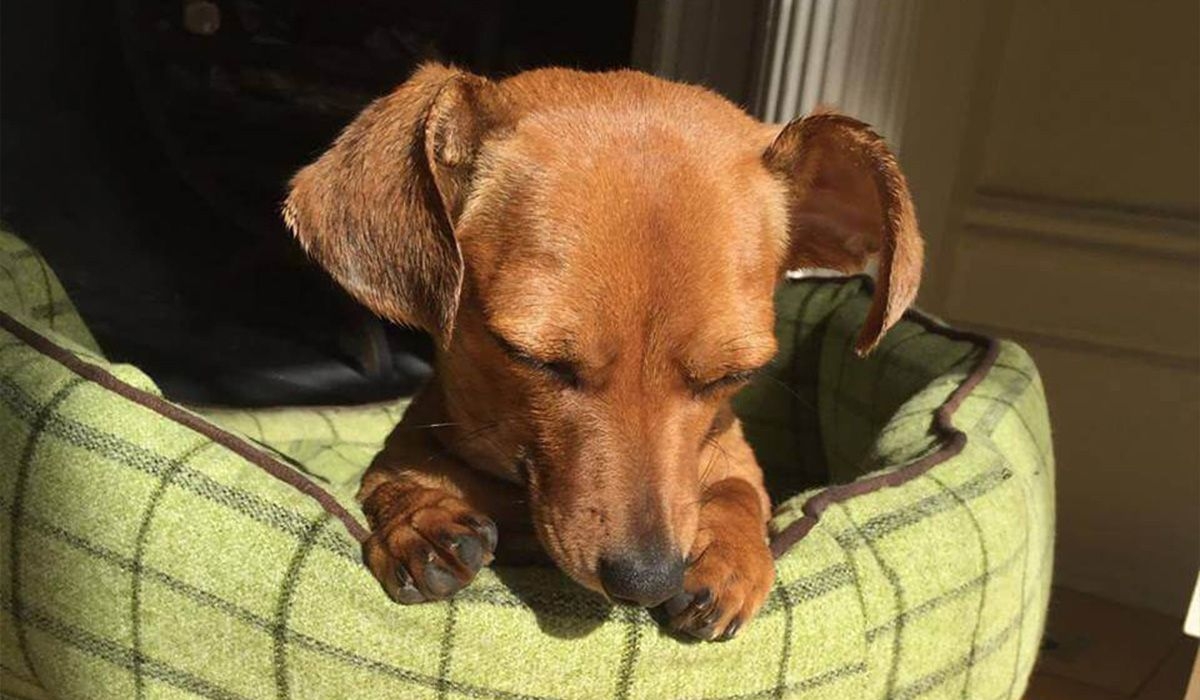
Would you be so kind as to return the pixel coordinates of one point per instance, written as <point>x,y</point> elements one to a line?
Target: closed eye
<point>562,371</point>
<point>732,379</point>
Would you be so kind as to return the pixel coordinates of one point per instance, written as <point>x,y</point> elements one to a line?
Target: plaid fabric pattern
<point>332,445</point>
<point>143,559</point>
<point>29,289</point>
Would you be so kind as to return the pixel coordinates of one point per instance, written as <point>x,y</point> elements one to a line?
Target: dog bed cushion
<point>154,551</point>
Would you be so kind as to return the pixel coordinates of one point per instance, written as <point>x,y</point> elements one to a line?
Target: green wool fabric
<point>151,554</point>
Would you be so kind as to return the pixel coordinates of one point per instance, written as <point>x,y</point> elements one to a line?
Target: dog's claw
<point>404,591</point>
<point>487,531</point>
<point>469,551</point>
<point>440,581</point>
<point>730,631</point>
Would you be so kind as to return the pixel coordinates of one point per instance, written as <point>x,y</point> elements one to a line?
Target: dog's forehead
<point>623,231</point>
<point>603,179</point>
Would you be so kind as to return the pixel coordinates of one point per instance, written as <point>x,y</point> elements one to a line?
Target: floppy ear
<point>378,209</point>
<point>847,202</point>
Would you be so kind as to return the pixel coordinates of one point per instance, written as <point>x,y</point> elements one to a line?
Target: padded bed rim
<point>951,439</point>
<point>170,411</point>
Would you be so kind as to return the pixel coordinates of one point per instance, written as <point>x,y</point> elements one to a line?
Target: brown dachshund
<point>595,255</point>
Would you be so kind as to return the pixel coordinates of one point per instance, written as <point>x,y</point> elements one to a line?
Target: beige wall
<point>1098,106</point>
<point>1054,150</point>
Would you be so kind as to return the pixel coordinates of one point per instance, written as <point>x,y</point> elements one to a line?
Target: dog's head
<point>595,255</point>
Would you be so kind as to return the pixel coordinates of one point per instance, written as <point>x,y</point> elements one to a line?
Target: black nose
<point>642,578</point>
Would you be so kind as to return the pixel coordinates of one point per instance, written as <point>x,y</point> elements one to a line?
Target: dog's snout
<point>645,578</point>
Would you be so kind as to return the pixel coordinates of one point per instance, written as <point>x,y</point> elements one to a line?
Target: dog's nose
<point>642,578</point>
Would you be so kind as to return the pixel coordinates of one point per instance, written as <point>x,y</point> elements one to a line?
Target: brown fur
<point>594,253</point>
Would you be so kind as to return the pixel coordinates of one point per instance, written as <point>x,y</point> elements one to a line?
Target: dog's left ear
<point>378,209</point>
<point>847,202</point>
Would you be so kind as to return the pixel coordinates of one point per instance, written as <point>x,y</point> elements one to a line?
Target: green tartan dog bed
<point>152,551</point>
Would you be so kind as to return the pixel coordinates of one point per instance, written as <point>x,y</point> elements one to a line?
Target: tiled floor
<point>1100,650</point>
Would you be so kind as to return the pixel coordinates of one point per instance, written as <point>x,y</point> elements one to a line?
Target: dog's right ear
<point>849,201</point>
<point>378,209</point>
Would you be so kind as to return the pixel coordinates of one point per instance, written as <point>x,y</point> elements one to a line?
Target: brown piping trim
<point>174,413</point>
<point>952,439</point>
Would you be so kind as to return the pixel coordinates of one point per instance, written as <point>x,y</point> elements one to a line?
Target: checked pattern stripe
<point>143,559</point>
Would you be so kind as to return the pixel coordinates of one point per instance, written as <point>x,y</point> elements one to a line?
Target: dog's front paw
<point>426,544</point>
<point>724,586</point>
